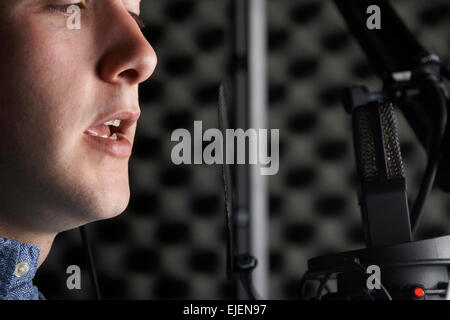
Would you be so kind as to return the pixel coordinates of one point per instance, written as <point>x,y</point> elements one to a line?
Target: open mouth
<point>110,134</point>
<point>107,130</point>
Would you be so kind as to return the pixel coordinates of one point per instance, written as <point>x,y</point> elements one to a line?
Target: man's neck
<point>41,240</point>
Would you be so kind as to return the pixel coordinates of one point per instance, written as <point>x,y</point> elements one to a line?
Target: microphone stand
<point>412,79</point>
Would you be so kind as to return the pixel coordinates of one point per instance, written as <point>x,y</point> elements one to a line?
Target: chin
<point>114,204</point>
<point>106,204</point>
<point>109,193</point>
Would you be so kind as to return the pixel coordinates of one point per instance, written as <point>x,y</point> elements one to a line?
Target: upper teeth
<point>114,123</point>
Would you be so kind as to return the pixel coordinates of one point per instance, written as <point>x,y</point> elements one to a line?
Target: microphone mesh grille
<point>366,145</point>
<point>393,157</point>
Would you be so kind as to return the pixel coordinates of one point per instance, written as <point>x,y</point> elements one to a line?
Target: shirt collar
<point>18,264</point>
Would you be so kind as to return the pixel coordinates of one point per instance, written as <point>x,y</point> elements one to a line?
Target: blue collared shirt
<point>18,264</point>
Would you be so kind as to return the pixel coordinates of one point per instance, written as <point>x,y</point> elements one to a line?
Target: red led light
<point>419,293</point>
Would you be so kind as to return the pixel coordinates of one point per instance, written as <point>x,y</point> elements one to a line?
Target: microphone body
<point>380,170</point>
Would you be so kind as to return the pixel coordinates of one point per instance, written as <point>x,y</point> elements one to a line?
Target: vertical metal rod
<point>258,101</point>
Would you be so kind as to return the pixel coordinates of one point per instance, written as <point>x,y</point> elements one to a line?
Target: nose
<point>128,57</point>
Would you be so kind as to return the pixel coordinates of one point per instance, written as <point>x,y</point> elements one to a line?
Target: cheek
<point>43,60</point>
<point>45,77</point>
<point>40,100</point>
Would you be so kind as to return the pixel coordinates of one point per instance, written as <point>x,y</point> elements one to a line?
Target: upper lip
<point>127,119</point>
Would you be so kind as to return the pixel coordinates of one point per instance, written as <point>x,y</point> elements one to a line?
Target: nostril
<point>130,74</point>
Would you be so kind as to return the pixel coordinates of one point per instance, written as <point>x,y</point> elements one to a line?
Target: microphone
<point>406,269</point>
<point>403,64</point>
<point>380,170</point>
<point>412,80</point>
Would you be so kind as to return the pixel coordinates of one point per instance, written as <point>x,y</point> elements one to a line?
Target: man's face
<point>57,88</point>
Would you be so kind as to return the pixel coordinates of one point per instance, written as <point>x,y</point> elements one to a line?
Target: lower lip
<point>120,148</point>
